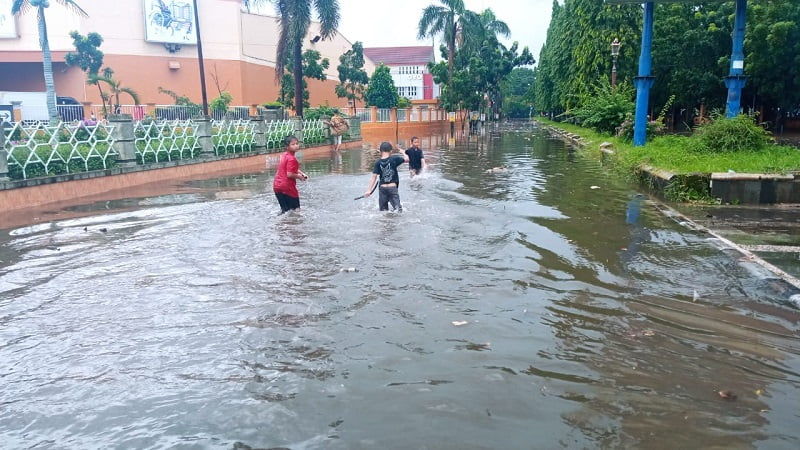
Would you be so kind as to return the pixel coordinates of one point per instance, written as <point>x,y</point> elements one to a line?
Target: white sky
<point>387,23</point>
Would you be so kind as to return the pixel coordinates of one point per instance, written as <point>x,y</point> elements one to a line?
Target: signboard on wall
<point>169,21</point>
<point>8,23</point>
<point>6,113</point>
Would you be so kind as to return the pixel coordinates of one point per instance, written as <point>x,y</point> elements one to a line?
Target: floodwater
<point>546,306</point>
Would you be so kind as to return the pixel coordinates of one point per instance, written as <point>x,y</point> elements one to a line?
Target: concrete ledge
<point>733,176</point>
<point>665,175</point>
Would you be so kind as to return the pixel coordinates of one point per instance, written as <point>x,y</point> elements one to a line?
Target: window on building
<point>407,91</point>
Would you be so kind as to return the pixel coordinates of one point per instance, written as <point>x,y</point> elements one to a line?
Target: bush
<point>272,105</point>
<point>221,103</point>
<point>606,109</point>
<point>320,111</point>
<point>732,134</point>
<point>625,131</point>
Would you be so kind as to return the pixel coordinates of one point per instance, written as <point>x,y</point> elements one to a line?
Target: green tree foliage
<point>381,91</point>
<point>22,6</point>
<point>294,18</point>
<point>87,55</point>
<point>576,54</point>
<point>89,58</point>
<point>479,74</point>
<point>352,76</point>
<point>691,54</point>
<point>517,92</point>
<point>314,66</point>
<point>115,89</point>
<point>450,19</point>
<point>221,103</point>
<point>605,108</point>
<point>772,47</point>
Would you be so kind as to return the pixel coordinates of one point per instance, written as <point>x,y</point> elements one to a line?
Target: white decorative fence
<point>233,136</point>
<point>167,140</point>
<point>38,149</point>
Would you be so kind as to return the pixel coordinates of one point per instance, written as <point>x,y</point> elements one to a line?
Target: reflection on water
<point>518,309</point>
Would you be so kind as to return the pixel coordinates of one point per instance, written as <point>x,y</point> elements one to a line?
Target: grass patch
<point>679,154</point>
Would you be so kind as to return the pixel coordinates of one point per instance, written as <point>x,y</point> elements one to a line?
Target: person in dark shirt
<point>385,174</point>
<point>416,160</point>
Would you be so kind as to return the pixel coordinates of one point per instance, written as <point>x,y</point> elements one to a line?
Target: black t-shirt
<point>386,169</point>
<point>415,158</point>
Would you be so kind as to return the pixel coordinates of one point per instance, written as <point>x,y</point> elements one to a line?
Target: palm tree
<point>490,25</point>
<point>115,89</point>
<point>450,20</point>
<point>295,19</point>
<point>22,6</point>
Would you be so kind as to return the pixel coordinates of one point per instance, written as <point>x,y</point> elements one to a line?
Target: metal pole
<point>614,73</point>
<point>644,81</point>
<point>736,79</point>
<point>200,60</point>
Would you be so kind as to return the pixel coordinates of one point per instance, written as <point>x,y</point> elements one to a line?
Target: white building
<point>409,68</point>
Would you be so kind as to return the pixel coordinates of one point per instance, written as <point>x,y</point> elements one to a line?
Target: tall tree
<point>449,19</point>
<point>89,58</point>
<point>381,91</point>
<point>294,17</point>
<point>352,76</point>
<point>773,55</point>
<point>486,24</point>
<point>314,66</point>
<point>116,90</point>
<point>21,7</point>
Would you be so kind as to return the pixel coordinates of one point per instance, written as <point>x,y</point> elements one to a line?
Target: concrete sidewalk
<point>771,232</point>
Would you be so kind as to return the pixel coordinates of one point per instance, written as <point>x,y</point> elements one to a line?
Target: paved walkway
<point>771,232</point>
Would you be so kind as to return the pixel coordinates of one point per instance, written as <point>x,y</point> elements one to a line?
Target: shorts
<point>287,202</point>
<point>388,195</point>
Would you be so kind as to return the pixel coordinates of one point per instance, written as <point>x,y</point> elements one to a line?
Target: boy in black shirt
<point>416,160</point>
<point>385,174</point>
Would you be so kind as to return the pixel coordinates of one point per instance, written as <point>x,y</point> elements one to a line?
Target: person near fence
<point>285,183</point>
<point>385,174</point>
<point>339,127</point>
<point>416,159</point>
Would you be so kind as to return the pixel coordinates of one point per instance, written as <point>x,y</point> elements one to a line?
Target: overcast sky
<point>388,23</point>
<point>385,23</point>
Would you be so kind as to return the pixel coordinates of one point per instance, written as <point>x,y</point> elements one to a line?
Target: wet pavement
<point>770,231</point>
<point>547,304</point>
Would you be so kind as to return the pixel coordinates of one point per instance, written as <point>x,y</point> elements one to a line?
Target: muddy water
<point>547,305</point>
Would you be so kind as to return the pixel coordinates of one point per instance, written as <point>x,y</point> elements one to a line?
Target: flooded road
<point>546,306</point>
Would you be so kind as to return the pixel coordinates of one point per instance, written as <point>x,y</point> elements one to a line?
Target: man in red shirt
<point>285,184</point>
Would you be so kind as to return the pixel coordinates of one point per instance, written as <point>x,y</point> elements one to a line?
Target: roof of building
<point>392,56</point>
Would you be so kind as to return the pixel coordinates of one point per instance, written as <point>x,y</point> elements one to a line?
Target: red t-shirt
<point>282,183</point>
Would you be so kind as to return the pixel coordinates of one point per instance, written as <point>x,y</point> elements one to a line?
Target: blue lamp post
<point>645,80</point>
<point>736,79</point>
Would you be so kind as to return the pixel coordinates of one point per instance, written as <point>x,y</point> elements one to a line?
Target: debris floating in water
<point>497,170</point>
<point>594,187</point>
<point>459,323</point>
<point>727,395</point>
<point>348,269</point>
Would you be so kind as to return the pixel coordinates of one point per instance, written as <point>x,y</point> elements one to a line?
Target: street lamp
<point>614,54</point>
<point>200,60</point>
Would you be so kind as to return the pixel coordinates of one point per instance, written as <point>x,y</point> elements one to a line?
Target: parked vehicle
<point>69,109</point>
